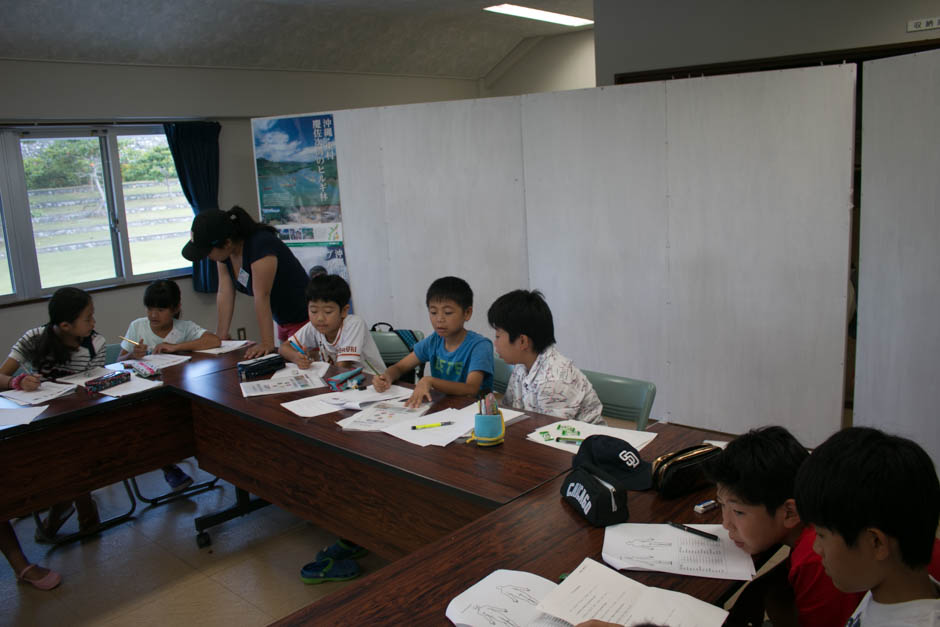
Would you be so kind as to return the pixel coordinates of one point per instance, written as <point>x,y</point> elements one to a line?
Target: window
<point>88,206</point>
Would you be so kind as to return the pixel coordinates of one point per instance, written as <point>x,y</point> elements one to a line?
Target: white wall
<point>649,34</point>
<point>549,64</point>
<point>899,259</point>
<point>45,91</point>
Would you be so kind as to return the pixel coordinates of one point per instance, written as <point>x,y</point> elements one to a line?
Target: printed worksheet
<point>226,347</point>
<point>505,598</point>
<point>309,407</point>
<point>547,434</point>
<point>357,399</point>
<point>46,391</point>
<point>317,369</point>
<point>166,360</point>
<point>639,546</point>
<point>296,383</point>
<point>594,591</point>
<point>380,415</point>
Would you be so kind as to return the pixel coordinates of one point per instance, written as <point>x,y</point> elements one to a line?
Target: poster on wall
<point>298,187</point>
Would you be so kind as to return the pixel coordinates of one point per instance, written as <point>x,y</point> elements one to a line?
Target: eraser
<point>705,506</point>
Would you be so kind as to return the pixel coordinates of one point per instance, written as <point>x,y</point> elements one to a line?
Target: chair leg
<point>78,535</point>
<point>195,488</point>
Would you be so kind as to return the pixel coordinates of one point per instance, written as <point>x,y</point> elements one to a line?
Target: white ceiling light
<point>536,14</point>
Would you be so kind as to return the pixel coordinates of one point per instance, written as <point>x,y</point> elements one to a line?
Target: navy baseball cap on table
<point>616,460</point>
<point>210,229</point>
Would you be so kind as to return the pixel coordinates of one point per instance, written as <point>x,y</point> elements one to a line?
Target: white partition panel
<point>759,187</point>
<point>899,252</point>
<point>454,202</point>
<point>595,204</point>
<point>365,224</point>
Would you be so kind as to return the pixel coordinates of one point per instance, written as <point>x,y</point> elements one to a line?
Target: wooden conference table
<point>446,516</point>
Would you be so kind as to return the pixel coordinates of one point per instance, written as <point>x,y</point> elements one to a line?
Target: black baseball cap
<point>210,229</point>
<point>615,461</point>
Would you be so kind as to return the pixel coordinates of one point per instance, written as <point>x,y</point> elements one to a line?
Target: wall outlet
<point>926,23</point>
<point>241,333</point>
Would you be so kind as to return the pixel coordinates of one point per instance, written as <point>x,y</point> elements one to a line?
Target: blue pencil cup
<point>488,429</point>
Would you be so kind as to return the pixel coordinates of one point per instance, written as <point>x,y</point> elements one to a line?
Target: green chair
<point>393,349</point>
<point>501,372</point>
<point>627,399</point>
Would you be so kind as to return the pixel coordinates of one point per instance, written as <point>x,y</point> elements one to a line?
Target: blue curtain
<point>195,148</point>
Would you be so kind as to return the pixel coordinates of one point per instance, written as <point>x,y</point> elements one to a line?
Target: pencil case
<point>107,381</point>
<point>682,472</point>
<point>254,368</point>
<point>346,380</point>
<point>145,370</point>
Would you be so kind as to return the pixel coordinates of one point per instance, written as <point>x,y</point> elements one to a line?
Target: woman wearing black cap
<point>253,260</point>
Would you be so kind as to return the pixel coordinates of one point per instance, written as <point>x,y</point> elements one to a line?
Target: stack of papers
<point>592,591</point>
<point>462,420</point>
<point>226,347</point>
<point>547,434</point>
<point>164,360</point>
<point>15,417</point>
<point>636,546</point>
<point>357,399</point>
<point>297,381</point>
<point>46,391</point>
<point>380,415</point>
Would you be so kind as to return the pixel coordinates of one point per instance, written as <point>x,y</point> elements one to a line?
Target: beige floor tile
<point>195,600</point>
<point>270,577</point>
<point>25,606</point>
<point>122,582</point>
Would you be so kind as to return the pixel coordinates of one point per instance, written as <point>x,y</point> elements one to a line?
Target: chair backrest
<point>391,346</point>
<point>111,352</point>
<point>501,372</point>
<point>627,399</point>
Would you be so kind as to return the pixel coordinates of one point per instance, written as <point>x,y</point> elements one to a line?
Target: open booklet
<point>592,591</point>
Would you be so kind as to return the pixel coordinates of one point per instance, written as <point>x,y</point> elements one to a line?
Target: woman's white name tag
<point>243,278</point>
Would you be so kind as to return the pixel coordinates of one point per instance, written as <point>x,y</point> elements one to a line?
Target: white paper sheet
<point>719,443</point>
<point>81,377</point>
<point>355,399</point>
<point>378,416</point>
<point>22,416</point>
<point>317,369</point>
<point>638,439</point>
<point>298,382</point>
<point>226,347</point>
<point>166,360</point>
<point>309,407</point>
<point>594,591</point>
<point>46,391</point>
<point>638,546</point>
<point>504,598</point>
<point>135,385</point>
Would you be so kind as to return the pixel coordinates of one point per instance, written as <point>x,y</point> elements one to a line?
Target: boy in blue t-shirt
<point>461,360</point>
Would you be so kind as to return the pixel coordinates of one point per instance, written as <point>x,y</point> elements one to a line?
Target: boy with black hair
<point>543,379</point>
<point>461,360</point>
<point>755,477</point>
<point>874,499</point>
<point>338,336</point>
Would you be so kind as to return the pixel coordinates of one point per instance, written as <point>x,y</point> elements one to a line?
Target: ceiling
<point>441,38</point>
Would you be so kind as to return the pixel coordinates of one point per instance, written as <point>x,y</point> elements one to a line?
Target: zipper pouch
<point>682,472</point>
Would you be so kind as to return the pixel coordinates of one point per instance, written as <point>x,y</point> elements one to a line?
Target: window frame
<point>17,220</point>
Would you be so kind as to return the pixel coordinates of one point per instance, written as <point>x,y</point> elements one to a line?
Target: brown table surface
<point>452,514</point>
<point>537,533</point>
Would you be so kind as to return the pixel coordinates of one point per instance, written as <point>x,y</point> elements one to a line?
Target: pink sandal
<point>49,581</point>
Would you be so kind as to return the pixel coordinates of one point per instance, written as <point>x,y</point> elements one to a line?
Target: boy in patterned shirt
<point>543,379</point>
